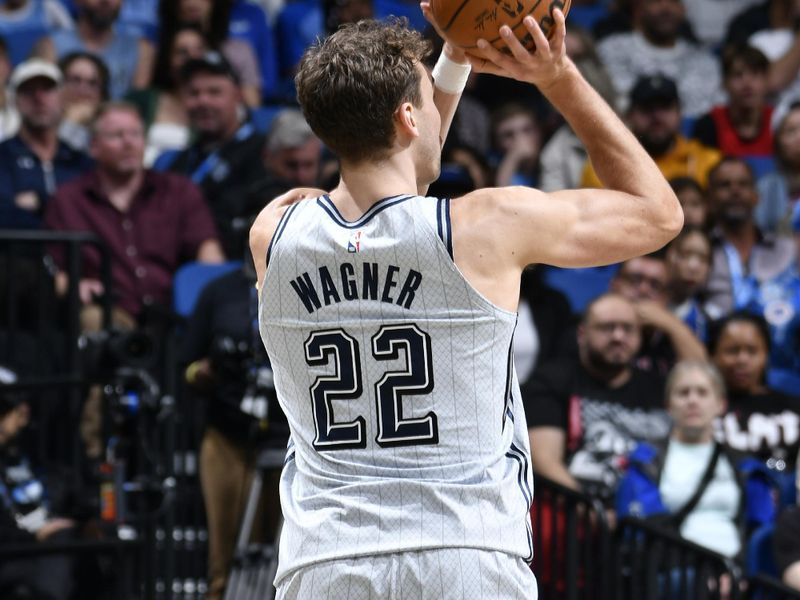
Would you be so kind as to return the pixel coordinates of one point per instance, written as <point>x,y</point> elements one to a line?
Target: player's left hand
<point>452,52</point>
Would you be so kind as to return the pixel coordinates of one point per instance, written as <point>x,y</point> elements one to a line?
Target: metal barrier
<point>572,543</point>
<point>653,563</point>
<point>764,587</point>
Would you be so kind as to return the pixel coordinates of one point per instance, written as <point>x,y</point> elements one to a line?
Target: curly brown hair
<point>350,84</point>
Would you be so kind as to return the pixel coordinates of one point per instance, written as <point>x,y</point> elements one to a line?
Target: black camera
<point>103,353</point>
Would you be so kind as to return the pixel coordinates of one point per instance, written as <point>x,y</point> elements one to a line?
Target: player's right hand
<point>543,66</point>
<point>450,51</point>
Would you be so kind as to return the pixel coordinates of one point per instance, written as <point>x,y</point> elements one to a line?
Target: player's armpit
<point>266,222</point>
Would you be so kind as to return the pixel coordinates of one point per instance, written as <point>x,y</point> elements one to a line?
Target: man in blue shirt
<point>34,162</point>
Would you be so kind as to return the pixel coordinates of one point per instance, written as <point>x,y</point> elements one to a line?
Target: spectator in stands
<point>742,127</point>
<point>24,22</point>
<point>226,362</point>
<point>163,112</point>
<point>9,119</point>
<point>129,58</point>
<point>778,301</point>
<point>771,27</point>
<point>563,156</point>
<point>710,18</point>
<point>758,419</point>
<point>213,19</point>
<point>655,47</point>
<point>517,141</point>
<point>779,191</point>
<point>586,414</point>
<point>666,339</point>
<point>543,315</point>
<point>34,162</point>
<point>693,201</point>
<point>25,515</point>
<point>225,158</point>
<point>86,81</point>
<point>292,152</point>
<point>714,494</point>
<point>743,257</point>
<point>689,263</point>
<point>150,221</point>
<point>654,117</point>
<point>787,546</point>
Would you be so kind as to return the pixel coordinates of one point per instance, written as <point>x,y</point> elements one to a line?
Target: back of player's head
<point>350,84</point>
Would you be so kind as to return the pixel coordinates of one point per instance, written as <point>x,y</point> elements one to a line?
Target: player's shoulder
<point>500,201</point>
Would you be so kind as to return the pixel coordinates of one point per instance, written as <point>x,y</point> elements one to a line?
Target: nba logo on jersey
<point>354,244</point>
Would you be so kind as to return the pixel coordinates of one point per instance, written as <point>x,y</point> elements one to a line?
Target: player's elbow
<point>668,220</point>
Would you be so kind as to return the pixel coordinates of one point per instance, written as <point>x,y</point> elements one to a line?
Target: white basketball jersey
<point>397,380</point>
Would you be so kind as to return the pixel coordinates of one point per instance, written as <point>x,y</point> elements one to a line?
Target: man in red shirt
<point>151,222</point>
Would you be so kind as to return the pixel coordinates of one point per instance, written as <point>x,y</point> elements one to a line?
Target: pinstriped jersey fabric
<point>396,377</point>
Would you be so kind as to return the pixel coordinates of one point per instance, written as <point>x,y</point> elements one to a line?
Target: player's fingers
<point>557,42</point>
<point>517,50</point>
<point>428,14</point>
<point>539,38</point>
<point>492,55</point>
<point>483,65</point>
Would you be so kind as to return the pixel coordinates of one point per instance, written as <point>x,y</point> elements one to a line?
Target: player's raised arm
<point>635,214</point>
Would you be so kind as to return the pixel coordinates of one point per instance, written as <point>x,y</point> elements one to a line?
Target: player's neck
<point>362,185</point>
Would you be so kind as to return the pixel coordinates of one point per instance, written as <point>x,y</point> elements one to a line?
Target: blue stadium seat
<point>687,125</point>
<point>191,279</point>
<point>249,23</point>
<point>587,16</point>
<point>759,557</point>
<point>262,117</point>
<point>761,165</point>
<point>580,286</point>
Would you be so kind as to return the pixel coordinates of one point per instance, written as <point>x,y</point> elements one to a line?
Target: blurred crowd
<point>669,384</point>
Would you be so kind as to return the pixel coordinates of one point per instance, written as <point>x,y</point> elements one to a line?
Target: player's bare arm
<point>267,221</point>
<point>499,231</point>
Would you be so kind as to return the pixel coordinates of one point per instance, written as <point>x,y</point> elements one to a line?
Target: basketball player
<point>389,318</point>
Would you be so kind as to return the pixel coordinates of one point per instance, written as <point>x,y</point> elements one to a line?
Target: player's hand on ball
<point>542,66</point>
<point>450,51</point>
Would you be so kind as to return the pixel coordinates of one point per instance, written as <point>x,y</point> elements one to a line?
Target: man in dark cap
<point>654,117</point>
<point>225,157</point>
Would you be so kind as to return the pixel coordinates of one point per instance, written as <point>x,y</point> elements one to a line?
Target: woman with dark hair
<point>689,262</point>
<point>212,18</point>
<point>86,86</point>
<point>778,192</point>
<point>693,201</point>
<point>759,420</point>
<point>163,113</point>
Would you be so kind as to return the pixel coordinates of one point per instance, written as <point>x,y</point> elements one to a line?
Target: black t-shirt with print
<point>602,424</point>
<point>765,425</point>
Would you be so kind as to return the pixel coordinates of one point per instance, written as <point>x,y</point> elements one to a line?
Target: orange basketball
<point>463,22</point>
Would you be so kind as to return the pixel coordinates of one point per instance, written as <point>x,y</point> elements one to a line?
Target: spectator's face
<point>690,261</point>
<point>39,103</point>
<point>655,126</point>
<point>732,193</point>
<point>194,11</point>
<point>789,139</point>
<point>741,357</point>
<point>5,69</point>
<point>82,83</point>
<point>746,88</point>
<point>118,142</point>
<point>187,44</point>
<point>212,102</point>
<point>694,207</point>
<point>298,166</point>
<point>642,279</point>
<point>694,403</point>
<point>13,422</point>
<point>101,14</point>
<point>519,133</point>
<point>609,338</point>
<point>661,20</point>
